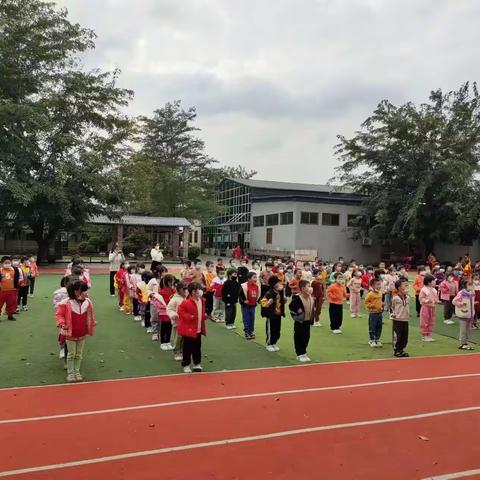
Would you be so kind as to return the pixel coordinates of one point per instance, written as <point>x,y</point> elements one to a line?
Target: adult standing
<point>157,257</point>
<point>115,257</point>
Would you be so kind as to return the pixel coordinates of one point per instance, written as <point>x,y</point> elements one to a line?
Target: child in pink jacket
<point>448,289</point>
<point>465,311</point>
<point>428,298</point>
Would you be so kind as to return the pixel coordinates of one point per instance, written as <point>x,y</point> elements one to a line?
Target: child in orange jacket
<point>336,294</point>
<point>417,286</point>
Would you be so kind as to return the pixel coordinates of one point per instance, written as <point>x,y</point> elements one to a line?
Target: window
<point>352,220</point>
<point>272,219</point>
<point>269,236</point>
<point>259,221</point>
<point>286,218</point>
<point>309,218</point>
<point>332,219</point>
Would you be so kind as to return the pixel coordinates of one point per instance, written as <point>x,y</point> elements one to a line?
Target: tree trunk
<point>43,248</point>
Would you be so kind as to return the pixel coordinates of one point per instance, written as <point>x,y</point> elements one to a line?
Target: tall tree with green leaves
<point>418,168</point>
<point>63,136</point>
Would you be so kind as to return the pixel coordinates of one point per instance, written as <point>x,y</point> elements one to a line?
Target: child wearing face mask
<point>448,290</point>
<point>9,281</point>
<point>318,293</point>
<point>121,285</point>
<point>355,286</point>
<point>367,278</point>
<point>132,278</point>
<point>289,276</point>
<point>74,316</point>
<point>167,292</point>
<point>417,287</point>
<point>337,268</point>
<point>302,309</point>
<point>307,272</point>
<point>374,305</point>
<point>428,299</point>
<point>230,294</point>
<point>476,287</point>
<point>465,311</point>
<point>218,313</point>
<point>172,311</point>
<point>400,318</point>
<point>273,309</point>
<point>265,277</point>
<point>24,283</point>
<point>336,295</point>
<point>35,273</point>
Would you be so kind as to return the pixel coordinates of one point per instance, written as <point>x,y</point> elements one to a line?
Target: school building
<point>268,218</point>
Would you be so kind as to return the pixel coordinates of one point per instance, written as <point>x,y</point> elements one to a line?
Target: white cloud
<point>275,82</point>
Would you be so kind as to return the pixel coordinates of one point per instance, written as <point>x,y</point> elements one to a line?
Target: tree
<point>235,172</point>
<point>63,137</point>
<point>417,167</point>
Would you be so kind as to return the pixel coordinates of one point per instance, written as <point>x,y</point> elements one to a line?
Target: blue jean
<point>248,314</point>
<point>375,321</point>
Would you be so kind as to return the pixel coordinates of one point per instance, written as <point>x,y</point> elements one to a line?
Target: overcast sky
<point>274,81</point>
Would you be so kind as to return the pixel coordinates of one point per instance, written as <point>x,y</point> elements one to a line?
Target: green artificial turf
<point>121,347</point>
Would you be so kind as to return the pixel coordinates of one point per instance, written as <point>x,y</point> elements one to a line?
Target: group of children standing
<point>17,283</point>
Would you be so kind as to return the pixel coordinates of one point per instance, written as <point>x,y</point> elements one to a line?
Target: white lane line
<point>230,441</point>
<point>236,397</point>
<point>452,476</point>
<point>281,367</point>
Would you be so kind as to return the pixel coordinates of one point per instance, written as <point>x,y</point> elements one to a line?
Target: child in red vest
<point>9,280</point>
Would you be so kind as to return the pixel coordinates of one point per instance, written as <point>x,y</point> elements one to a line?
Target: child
<point>389,286</point>
<point>417,286</point>
<point>242,271</point>
<point>191,326</point>
<point>374,305</point>
<point>337,268</point>
<point>465,311</point>
<point>24,283</point>
<point>294,284</point>
<point>400,318</point>
<point>230,294</point>
<point>172,311</point>
<point>302,310</point>
<point>249,295</point>
<point>448,291</point>
<point>9,280</point>
<point>265,277</point>
<point>355,286</point>
<point>367,278</point>
<point>58,297</point>
<point>35,273</point>
<point>336,294</point>
<point>476,287</point>
<point>167,293</point>
<point>74,316</point>
<point>120,283</point>
<point>141,295</point>
<point>132,278</point>
<point>209,275</point>
<point>273,309</point>
<point>187,273</point>
<point>218,313</point>
<point>428,298</point>
<point>307,272</point>
<point>318,288</point>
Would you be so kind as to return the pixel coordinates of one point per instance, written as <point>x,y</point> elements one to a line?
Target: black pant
<point>400,336</point>
<point>22,296</point>
<point>336,316</point>
<point>135,307</point>
<point>263,290</point>
<point>417,305</point>
<point>301,337</point>
<point>154,265</point>
<point>165,332</point>
<point>32,285</point>
<point>148,323</point>
<point>192,349</point>
<point>230,313</point>
<point>112,283</point>
<point>448,309</point>
<point>273,327</point>
<point>208,303</point>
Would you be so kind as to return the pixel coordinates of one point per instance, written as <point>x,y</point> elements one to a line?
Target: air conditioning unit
<point>367,242</point>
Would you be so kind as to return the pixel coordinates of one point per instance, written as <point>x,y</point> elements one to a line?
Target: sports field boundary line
<point>236,397</point>
<point>453,476</point>
<point>235,440</point>
<point>216,372</point>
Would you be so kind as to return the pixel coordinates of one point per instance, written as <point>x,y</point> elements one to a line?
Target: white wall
<point>331,242</point>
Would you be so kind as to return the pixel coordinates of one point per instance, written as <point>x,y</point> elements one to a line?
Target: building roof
<point>142,221</point>
<point>268,191</point>
<point>305,187</point>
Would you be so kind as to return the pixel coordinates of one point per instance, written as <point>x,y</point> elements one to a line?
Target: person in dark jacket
<point>230,293</point>
<point>273,309</point>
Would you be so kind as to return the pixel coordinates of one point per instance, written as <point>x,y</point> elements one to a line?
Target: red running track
<point>359,420</point>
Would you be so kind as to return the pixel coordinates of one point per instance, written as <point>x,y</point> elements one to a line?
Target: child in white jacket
<point>172,312</point>
<point>465,311</point>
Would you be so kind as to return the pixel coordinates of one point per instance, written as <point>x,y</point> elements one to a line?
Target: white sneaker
<point>187,369</point>
<point>372,343</point>
<point>428,338</point>
<point>229,327</point>
<point>197,368</point>
<point>61,353</point>
<point>25,308</point>
<point>449,322</point>
<point>170,346</point>
<point>149,330</point>
<point>270,348</point>
<point>337,331</point>
<point>178,357</point>
<point>137,318</point>
<point>143,323</point>
<point>155,337</point>
<point>378,344</point>
<point>303,358</point>
<point>163,346</point>
<point>353,315</point>
<point>317,324</point>
<point>121,309</point>
<point>276,347</point>
<point>113,295</point>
